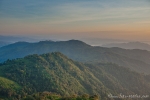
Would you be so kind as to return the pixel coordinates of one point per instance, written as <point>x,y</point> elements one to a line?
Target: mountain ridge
<point>57,73</point>
<point>138,60</point>
<point>129,45</point>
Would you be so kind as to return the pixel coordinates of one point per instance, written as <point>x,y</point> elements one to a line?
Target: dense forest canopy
<point>56,73</point>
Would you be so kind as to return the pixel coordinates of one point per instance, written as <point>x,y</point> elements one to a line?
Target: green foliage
<point>8,84</point>
<point>56,73</point>
<point>52,72</point>
<point>120,79</point>
<point>137,60</point>
<point>8,88</point>
<point>52,96</point>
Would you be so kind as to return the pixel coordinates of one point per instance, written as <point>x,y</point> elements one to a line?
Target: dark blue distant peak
<point>46,41</point>
<point>21,42</point>
<point>75,41</point>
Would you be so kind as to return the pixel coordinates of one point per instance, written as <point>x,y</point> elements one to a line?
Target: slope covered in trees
<point>8,88</point>
<point>137,60</point>
<point>53,96</point>
<point>56,73</point>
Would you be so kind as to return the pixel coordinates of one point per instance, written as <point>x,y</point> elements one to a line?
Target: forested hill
<point>56,73</point>
<point>137,60</point>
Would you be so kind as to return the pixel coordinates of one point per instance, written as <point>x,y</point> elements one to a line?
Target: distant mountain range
<point>12,39</point>
<point>129,45</point>
<point>5,40</point>
<point>57,73</point>
<point>101,41</point>
<point>137,60</point>
<point>3,43</point>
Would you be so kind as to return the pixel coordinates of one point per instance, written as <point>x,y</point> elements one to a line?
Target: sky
<point>116,19</point>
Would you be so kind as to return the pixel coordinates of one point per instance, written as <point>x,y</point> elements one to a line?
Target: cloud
<point>72,14</point>
<point>144,22</point>
<point>78,12</point>
<point>72,11</point>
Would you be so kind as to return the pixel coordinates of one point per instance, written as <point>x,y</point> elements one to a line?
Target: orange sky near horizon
<point>120,19</point>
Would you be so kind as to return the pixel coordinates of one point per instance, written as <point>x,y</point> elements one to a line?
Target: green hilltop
<point>8,87</point>
<point>136,60</point>
<point>56,73</point>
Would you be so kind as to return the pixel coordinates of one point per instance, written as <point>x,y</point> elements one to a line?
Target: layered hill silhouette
<point>130,45</point>
<point>3,43</point>
<point>137,60</point>
<point>57,73</point>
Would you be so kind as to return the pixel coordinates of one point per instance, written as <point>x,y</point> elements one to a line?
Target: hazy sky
<point>123,19</point>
